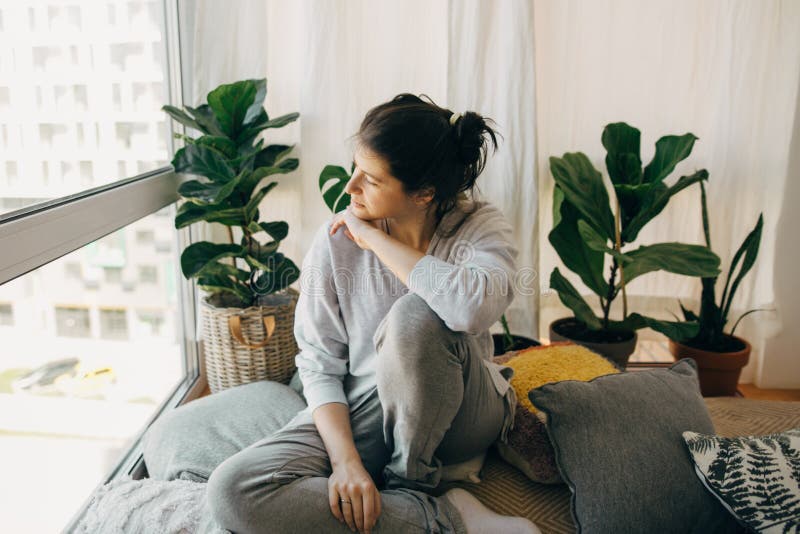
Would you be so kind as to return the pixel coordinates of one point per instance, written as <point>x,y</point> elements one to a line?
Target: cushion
<point>189,442</point>
<point>757,478</point>
<point>619,447</point>
<point>147,505</point>
<point>528,447</point>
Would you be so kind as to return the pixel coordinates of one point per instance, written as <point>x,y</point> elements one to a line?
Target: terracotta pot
<point>718,371</point>
<point>616,352</point>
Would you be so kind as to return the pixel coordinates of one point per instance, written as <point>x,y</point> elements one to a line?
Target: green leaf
<point>670,150</point>
<point>583,188</point>
<point>271,154</point>
<point>595,242</point>
<point>252,204</point>
<point>677,330</point>
<point>570,297</point>
<point>332,181</point>
<point>567,242</point>
<point>655,201</point>
<point>258,102</point>
<point>678,258</point>
<point>216,268</point>
<point>203,160</point>
<point>198,255</point>
<point>277,230</point>
<point>223,145</point>
<point>206,119</point>
<point>264,257</point>
<point>182,117</point>
<point>207,193</point>
<point>261,123</point>
<point>250,182</point>
<point>688,314</point>
<point>281,276</point>
<point>622,143</point>
<point>230,103</point>
<point>749,249</point>
<point>190,213</point>
<point>221,284</point>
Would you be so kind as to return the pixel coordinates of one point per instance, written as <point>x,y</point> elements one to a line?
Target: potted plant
<point>591,231</point>
<point>332,181</point>
<point>720,356</point>
<point>248,310</point>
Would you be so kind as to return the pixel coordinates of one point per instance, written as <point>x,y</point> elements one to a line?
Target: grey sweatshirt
<point>345,292</point>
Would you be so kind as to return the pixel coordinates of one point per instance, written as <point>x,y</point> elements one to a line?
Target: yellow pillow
<point>537,366</point>
<point>528,447</point>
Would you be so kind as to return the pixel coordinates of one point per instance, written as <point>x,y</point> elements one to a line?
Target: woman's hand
<point>353,497</point>
<point>357,229</point>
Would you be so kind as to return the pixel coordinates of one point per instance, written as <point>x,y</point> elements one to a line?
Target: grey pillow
<point>619,448</point>
<point>189,442</point>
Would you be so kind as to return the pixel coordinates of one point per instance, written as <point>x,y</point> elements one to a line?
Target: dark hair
<point>423,150</point>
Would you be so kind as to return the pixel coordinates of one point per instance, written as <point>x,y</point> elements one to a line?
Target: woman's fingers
<point>358,511</point>
<point>347,512</point>
<point>333,502</point>
<point>369,511</point>
<point>378,507</point>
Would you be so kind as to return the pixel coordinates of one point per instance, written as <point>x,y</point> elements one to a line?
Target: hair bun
<point>473,136</point>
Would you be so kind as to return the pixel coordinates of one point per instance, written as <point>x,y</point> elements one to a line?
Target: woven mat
<point>507,491</point>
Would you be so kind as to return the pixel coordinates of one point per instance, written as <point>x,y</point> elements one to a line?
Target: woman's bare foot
<point>480,520</point>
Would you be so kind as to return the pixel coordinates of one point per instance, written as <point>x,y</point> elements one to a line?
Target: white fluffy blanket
<point>148,506</point>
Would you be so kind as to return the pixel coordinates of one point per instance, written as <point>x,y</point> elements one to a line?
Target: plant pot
<point>243,345</point>
<point>718,372</point>
<point>617,347</point>
<point>520,342</point>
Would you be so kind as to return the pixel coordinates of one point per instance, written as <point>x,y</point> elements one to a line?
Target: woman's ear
<point>424,197</point>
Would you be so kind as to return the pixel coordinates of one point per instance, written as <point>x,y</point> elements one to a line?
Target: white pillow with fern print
<point>757,478</point>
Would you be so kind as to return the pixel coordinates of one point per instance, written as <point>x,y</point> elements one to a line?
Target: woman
<point>397,296</point>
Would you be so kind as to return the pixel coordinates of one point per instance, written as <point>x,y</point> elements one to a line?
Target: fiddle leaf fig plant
<point>592,230</point>
<point>230,165</point>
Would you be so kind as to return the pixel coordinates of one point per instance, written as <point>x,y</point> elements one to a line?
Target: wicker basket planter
<point>244,345</point>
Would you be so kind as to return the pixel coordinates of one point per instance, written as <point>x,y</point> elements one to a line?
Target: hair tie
<point>454,118</point>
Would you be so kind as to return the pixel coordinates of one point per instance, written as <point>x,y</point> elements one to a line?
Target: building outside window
<point>148,274</point>
<point>73,321</point>
<point>113,324</point>
<point>6,314</point>
<point>81,372</point>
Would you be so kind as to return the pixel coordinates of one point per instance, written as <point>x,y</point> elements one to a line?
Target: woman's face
<point>374,192</point>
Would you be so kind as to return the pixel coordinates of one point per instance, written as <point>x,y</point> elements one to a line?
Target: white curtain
<point>332,61</point>
<point>552,73</point>
<point>726,71</point>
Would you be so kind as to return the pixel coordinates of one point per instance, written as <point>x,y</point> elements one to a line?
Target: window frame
<point>36,235</point>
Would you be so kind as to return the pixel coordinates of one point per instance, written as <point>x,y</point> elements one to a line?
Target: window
<point>6,315</point>
<point>145,237</point>
<point>69,90</point>
<point>72,322</point>
<point>150,322</point>
<point>86,363</point>
<point>148,274</point>
<point>113,275</point>
<point>113,324</point>
<point>73,270</point>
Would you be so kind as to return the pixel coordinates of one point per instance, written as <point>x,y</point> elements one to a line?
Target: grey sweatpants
<point>435,402</point>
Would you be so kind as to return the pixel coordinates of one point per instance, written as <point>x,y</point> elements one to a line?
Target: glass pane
<point>86,360</point>
<point>81,87</point>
